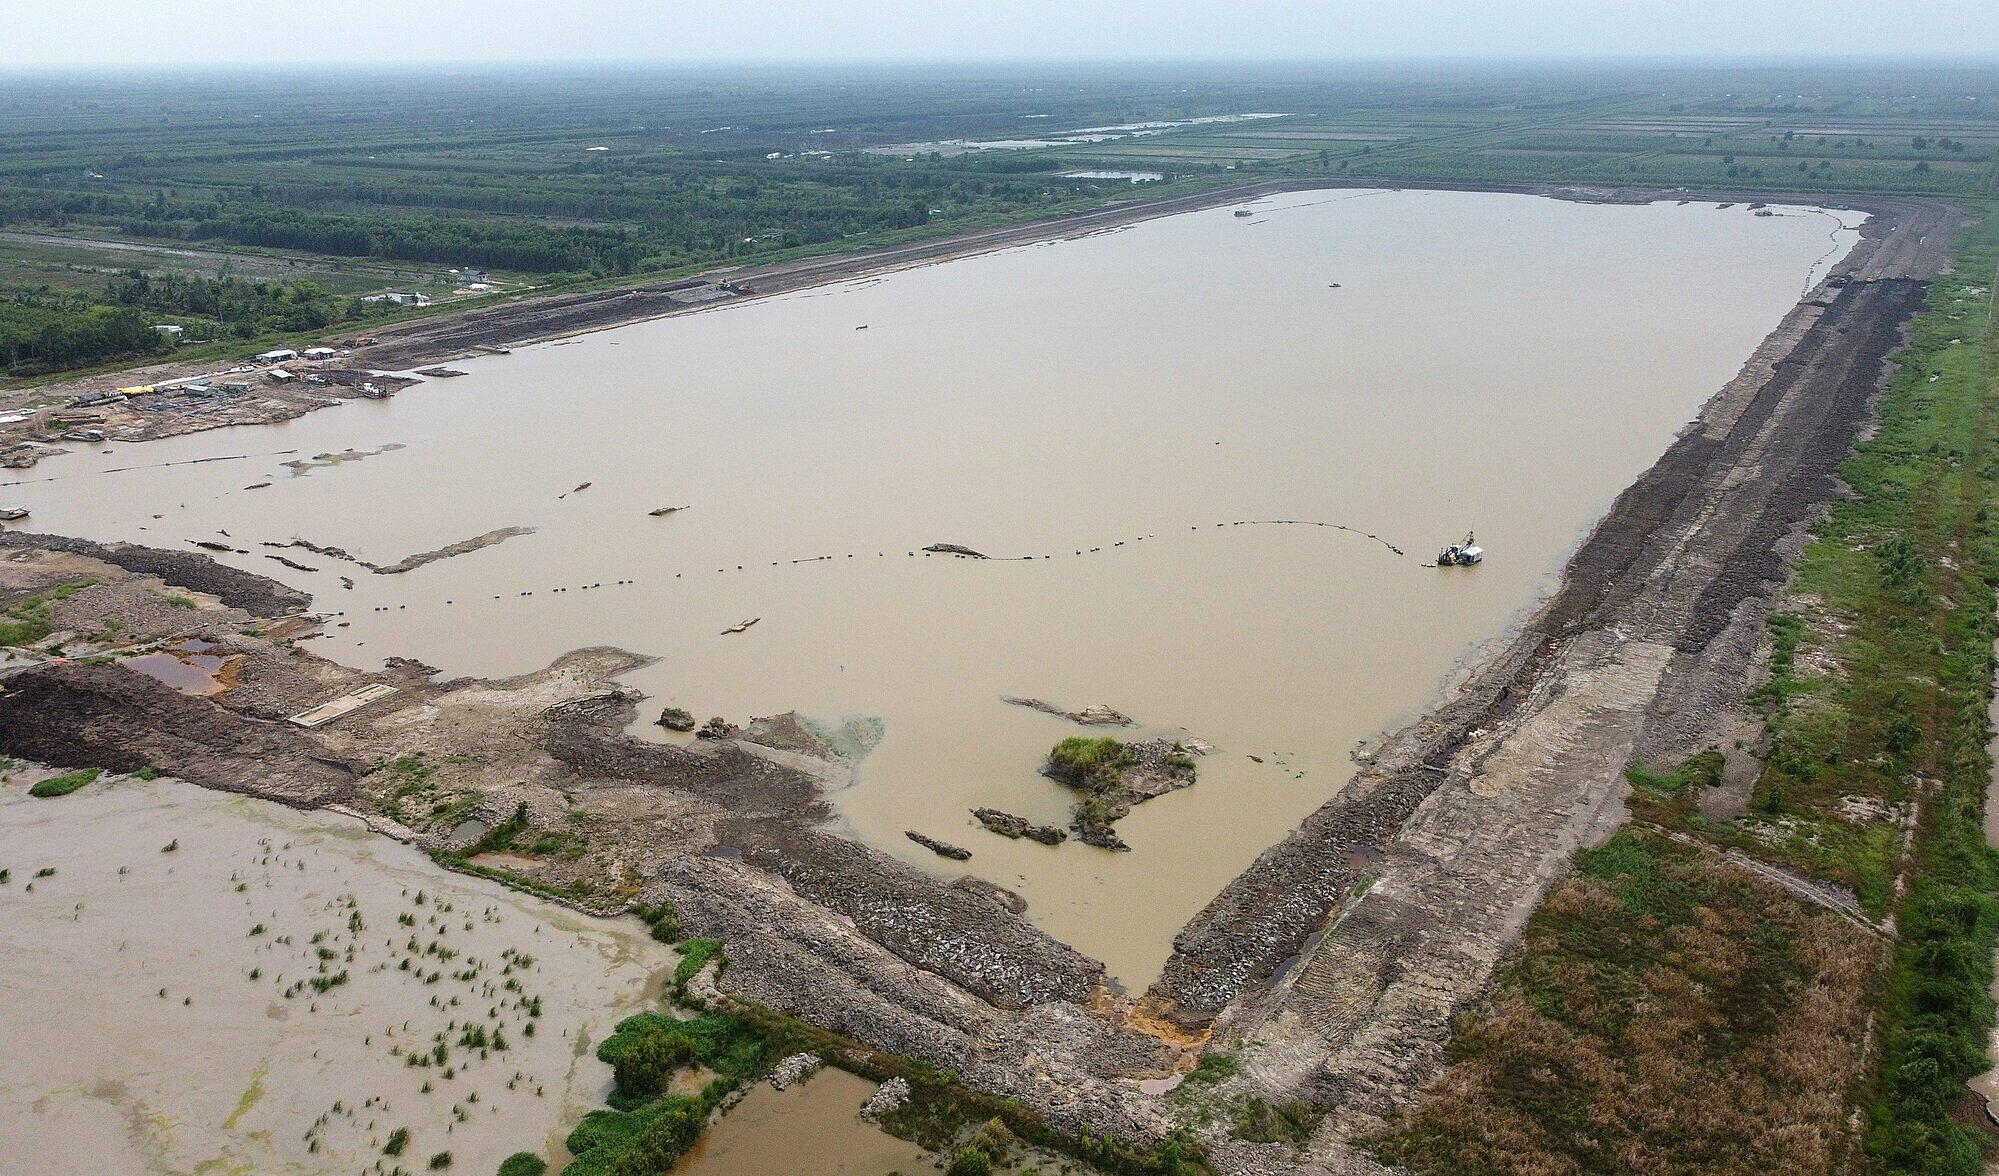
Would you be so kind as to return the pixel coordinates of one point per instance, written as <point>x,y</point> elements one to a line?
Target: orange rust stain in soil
<point>1152,1016</point>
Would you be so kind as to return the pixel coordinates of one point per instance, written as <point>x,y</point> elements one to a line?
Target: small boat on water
<point>1461,555</point>
<point>374,391</point>
<point>10,513</point>
<point>1244,212</point>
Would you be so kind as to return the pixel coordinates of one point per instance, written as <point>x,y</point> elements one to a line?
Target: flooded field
<point>1158,416</point>
<point>201,982</point>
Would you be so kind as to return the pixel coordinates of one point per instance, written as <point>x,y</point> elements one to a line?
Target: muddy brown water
<point>185,667</point>
<point>1408,364</point>
<point>811,1129</point>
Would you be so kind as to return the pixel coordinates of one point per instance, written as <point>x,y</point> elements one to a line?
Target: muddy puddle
<point>1159,415</point>
<point>811,1129</point>
<point>204,982</point>
<point>187,667</point>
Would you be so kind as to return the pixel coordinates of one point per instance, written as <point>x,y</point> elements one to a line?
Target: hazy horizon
<point>88,33</point>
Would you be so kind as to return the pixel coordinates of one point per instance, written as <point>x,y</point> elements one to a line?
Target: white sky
<point>387,32</point>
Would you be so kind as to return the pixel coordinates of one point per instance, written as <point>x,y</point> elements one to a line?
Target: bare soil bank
<point>1462,821</point>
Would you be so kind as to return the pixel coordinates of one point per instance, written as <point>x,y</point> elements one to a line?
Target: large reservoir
<point>1162,417</point>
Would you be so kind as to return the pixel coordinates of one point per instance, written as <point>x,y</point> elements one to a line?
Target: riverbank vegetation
<point>64,784</point>
<point>1671,1010</point>
<point>44,328</point>
<point>26,622</point>
<point>648,1125</point>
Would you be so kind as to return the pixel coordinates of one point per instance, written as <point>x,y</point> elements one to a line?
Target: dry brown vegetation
<point>1668,1013</point>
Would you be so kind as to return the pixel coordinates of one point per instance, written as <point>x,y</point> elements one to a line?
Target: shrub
<point>1703,769</point>
<point>501,836</point>
<point>643,1142</point>
<point>440,1161</point>
<point>648,1065</point>
<point>1213,1067</point>
<point>970,1161</point>
<point>995,1141</point>
<point>1287,1122</point>
<point>398,1140</point>
<point>523,1164</point>
<point>663,919</point>
<point>64,785</point>
<point>1088,762</point>
<point>1090,812</point>
<point>694,956</point>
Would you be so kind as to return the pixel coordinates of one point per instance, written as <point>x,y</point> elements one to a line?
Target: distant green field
<point>366,183</point>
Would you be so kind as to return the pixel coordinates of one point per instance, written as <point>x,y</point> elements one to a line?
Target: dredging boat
<point>1461,555</point>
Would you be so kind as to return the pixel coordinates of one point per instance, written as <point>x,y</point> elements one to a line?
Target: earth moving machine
<point>1461,555</point>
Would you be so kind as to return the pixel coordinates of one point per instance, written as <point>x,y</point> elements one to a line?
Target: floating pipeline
<point>953,550</point>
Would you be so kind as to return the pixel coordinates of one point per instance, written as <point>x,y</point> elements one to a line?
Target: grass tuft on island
<point>1089,763</point>
<point>65,784</point>
<point>1114,777</point>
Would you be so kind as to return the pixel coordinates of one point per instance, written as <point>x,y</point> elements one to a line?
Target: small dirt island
<point>1113,777</point>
